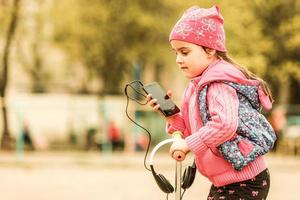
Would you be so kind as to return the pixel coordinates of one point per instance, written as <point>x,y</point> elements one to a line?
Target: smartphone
<point>167,106</point>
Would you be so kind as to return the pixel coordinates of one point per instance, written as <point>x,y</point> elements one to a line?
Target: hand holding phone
<point>166,106</point>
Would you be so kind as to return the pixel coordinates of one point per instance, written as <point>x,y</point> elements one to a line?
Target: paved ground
<point>96,176</point>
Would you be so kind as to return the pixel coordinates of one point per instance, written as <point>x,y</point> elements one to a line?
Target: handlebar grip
<point>178,155</point>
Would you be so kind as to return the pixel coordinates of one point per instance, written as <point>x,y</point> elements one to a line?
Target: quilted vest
<point>253,127</point>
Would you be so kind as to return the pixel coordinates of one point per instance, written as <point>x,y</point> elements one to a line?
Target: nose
<point>179,59</point>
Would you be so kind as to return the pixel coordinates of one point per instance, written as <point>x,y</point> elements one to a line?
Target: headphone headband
<point>188,175</point>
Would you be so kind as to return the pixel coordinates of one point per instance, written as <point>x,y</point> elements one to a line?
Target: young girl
<point>213,118</point>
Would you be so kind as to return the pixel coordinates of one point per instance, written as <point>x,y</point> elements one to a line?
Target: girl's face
<point>191,58</point>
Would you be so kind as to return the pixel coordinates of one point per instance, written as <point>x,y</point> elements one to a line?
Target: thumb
<point>169,93</point>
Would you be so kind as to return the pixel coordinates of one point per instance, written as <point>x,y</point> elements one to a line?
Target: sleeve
<point>223,104</point>
<point>176,125</point>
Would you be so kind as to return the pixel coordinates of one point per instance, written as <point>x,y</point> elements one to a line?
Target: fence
<point>67,121</point>
<point>70,121</point>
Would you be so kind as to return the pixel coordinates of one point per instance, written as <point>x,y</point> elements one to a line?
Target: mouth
<point>183,67</point>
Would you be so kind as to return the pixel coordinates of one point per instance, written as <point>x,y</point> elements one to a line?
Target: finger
<point>149,97</point>
<point>156,108</point>
<point>172,149</point>
<point>169,93</point>
<point>153,102</point>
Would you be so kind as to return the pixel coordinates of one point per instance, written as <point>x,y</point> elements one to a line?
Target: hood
<point>221,70</point>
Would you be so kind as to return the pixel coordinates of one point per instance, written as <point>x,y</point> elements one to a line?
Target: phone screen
<point>167,106</point>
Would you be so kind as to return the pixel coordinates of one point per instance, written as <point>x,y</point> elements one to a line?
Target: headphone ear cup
<point>185,177</point>
<point>165,184</point>
<point>162,182</point>
<point>188,177</point>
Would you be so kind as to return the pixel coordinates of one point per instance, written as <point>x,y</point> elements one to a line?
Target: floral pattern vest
<point>253,127</point>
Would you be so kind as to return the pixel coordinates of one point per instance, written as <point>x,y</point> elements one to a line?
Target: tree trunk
<point>6,139</point>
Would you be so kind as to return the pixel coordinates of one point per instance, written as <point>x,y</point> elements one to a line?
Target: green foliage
<point>5,9</point>
<point>280,26</point>
<point>109,37</point>
<point>30,42</point>
<point>243,37</point>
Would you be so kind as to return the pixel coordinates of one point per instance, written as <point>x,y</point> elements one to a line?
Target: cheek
<point>198,62</point>
<point>203,62</point>
<point>195,60</point>
<point>199,66</point>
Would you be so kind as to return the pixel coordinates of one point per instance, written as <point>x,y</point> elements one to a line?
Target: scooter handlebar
<point>177,154</point>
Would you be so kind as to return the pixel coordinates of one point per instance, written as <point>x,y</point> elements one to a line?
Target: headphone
<point>165,185</point>
<point>189,173</point>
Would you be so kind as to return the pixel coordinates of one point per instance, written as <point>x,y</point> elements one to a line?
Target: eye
<point>185,53</point>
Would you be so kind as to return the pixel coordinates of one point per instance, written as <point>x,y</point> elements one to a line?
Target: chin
<point>188,76</point>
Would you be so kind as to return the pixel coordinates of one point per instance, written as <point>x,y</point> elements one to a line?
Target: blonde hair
<point>245,71</point>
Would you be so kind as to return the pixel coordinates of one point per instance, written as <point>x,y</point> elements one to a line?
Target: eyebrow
<point>180,48</point>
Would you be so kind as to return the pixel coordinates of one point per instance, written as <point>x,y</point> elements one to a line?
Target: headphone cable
<point>148,133</point>
<point>141,103</point>
<point>182,194</point>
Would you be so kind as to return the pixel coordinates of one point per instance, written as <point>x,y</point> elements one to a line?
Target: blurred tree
<point>6,139</point>
<point>4,19</point>
<point>280,27</point>
<point>30,41</point>
<point>242,30</point>
<point>111,36</point>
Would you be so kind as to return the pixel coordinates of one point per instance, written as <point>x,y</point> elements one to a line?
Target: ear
<point>210,52</point>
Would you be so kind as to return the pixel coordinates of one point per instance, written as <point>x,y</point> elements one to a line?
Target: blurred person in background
<point>115,136</point>
<point>27,137</point>
<point>142,141</point>
<point>91,139</point>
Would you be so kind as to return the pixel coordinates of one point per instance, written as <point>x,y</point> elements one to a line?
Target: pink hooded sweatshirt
<point>223,106</point>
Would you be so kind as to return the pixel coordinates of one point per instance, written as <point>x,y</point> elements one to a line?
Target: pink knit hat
<point>201,26</point>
